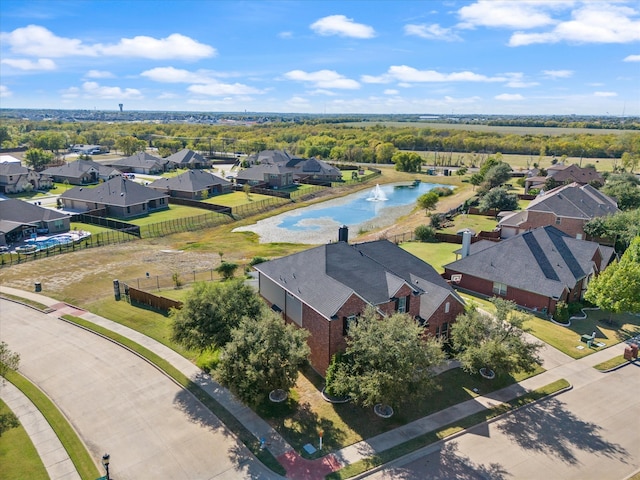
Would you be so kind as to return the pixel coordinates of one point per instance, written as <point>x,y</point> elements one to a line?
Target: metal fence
<point>172,280</point>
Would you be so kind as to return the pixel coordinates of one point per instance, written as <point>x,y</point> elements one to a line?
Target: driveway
<point>121,405</point>
<point>589,432</point>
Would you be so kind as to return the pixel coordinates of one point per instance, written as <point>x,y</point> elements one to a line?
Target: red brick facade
<point>570,226</point>
<point>326,337</point>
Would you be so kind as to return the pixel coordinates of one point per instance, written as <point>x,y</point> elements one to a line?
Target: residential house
<point>20,219</point>
<point>82,172</point>
<point>561,174</point>
<point>121,198</point>
<point>324,289</point>
<point>568,208</point>
<point>301,169</point>
<point>192,185</point>
<point>187,158</point>
<point>14,178</point>
<point>536,269</point>
<point>142,162</point>
<point>266,176</point>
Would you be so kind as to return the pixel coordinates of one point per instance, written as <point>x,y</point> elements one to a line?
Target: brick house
<point>19,220</point>
<point>325,288</point>
<point>120,197</point>
<point>536,269</point>
<point>568,208</point>
<point>82,172</point>
<point>565,174</point>
<point>187,158</point>
<point>144,163</point>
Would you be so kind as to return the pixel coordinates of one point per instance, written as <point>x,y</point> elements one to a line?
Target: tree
<point>625,189</point>
<point>8,421</point>
<point>387,360</point>
<point>37,158</point>
<point>475,179</point>
<point>621,228</point>
<point>617,288</point>
<point>264,354</point>
<point>496,176</point>
<point>428,201</point>
<point>130,145</point>
<point>498,198</point>
<point>9,361</point>
<point>493,344</point>
<point>425,233</point>
<point>210,311</point>
<point>407,161</point>
<point>227,269</point>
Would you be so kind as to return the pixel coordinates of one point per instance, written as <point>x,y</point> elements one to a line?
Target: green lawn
<point>172,213</point>
<point>475,222</point>
<point>89,228</point>
<point>235,199</point>
<point>567,339</point>
<point>18,456</point>
<point>435,254</point>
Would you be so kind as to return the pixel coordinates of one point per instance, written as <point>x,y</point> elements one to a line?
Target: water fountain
<point>377,195</point>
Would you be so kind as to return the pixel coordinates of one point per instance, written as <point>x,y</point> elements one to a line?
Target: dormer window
<point>402,304</point>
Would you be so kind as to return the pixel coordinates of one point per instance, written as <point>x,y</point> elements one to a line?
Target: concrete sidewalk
<point>53,455</point>
<point>557,365</point>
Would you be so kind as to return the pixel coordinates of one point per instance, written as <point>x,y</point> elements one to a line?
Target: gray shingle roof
<point>325,277</point>
<point>575,201</point>
<point>543,260</point>
<point>190,181</point>
<point>77,168</point>
<point>117,191</point>
<point>12,168</point>
<point>186,156</point>
<point>14,212</point>
<point>140,159</point>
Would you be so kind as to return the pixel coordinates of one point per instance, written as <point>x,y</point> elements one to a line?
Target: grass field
<point>235,199</point>
<point>18,456</point>
<point>172,213</point>
<point>436,254</point>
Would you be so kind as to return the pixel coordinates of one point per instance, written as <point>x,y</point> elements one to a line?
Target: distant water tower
<point>121,105</point>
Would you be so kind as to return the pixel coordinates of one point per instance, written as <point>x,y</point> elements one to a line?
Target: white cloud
<point>5,92</point>
<point>285,35</point>
<point>520,14</point>
<point>343,27</point>
<point>99,74</point>
<point>509,97</point>
<point>219,89</point>
<point>405,74</point>
<point>173,75</point>
<point>391,91</point>
<point>431,32</point>
<point>94,90</point>
<point>516,80</point>
<point>323,79</point>
<point>322,91</point>
<point>605,94</point>
<point>38,41</point>
<point>593,23</point>
<point>26,64</point>
<point>557,73</point>
<point>167,95</point>
<point>632,58</point>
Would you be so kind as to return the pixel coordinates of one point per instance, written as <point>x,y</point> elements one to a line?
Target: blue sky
<point>425,57</point>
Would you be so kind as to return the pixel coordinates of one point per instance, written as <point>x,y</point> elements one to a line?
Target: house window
<point>499,288</point>
<point>442,331</point>
<point>347,322</point>
<point>558,220</point>
<point>402,305</point>
<point>128,209</point>
<point>144,206</point>
<point>447,307</point>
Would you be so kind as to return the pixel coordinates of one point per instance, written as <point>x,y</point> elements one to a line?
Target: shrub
<point>562,312</point>
<point>257,260</point>
<point>227,270</point>
<point>443,191</point>
<point>425,233</point>
<point>437,221</point>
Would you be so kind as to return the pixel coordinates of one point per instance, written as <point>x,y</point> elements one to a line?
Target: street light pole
<point>105,462</point>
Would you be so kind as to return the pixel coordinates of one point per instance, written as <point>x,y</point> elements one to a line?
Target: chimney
<point>343,234</point>
<point>466,243</point>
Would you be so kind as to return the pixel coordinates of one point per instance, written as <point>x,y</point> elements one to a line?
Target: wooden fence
<point>156,302</point>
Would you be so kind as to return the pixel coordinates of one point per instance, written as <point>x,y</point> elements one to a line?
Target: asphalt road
<point>589,432</point>
<point>121,405</point>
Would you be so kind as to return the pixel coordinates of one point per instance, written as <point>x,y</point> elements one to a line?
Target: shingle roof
<point>574,201</point>
<point>325,277</point>
<point>190,181</point>
<point>140,159</point>
<point>77,168</point>
<point>117,191</point>
<point>14,212</point>
<point>257,172</point>
<point>12,168</point>
<point>186,156</point>
<point>543,260</point>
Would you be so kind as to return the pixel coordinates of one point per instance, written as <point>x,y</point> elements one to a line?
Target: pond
<point>362,211</point>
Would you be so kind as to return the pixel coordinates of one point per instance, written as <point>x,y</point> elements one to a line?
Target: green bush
<point>425,233</point>
<point>562,312</point>
<point>437,221</point>
<point>443,191</point>
<point>257,260</point>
